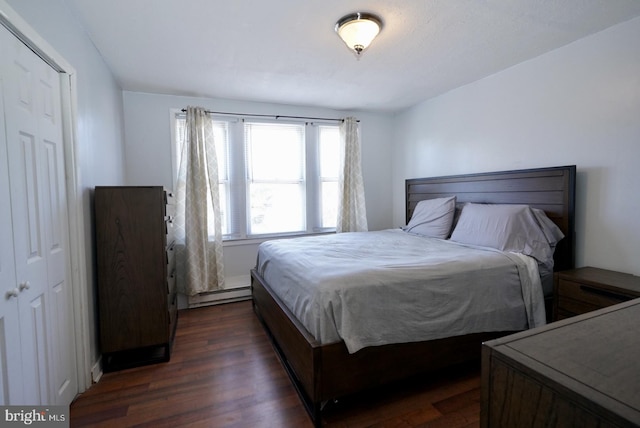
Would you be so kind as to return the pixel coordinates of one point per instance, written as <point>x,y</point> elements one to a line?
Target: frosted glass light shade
<point>358,30</point>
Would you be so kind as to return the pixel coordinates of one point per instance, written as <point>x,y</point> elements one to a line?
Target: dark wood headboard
<point>549,189</point>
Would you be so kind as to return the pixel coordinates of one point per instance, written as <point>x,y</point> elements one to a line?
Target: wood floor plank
<point>224,373</point>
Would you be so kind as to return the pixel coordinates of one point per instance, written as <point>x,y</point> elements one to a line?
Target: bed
<point>324,371</point>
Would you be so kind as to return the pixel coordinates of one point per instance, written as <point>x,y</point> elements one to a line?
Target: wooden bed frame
<point>324,372</point>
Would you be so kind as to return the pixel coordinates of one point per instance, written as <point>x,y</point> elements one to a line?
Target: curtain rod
<point>273,116</point>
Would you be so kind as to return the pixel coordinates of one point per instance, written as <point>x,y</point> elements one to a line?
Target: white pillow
<point>432,217</point>
<point>513,228</point>
<point>549,228</point>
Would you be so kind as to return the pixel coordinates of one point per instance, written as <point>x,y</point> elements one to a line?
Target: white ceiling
<point>286,51</point>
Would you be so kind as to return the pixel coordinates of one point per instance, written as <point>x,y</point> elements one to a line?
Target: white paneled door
<point>38,225</point>
<point>11,369</point>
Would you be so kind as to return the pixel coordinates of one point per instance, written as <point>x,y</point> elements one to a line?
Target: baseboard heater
<point>236,290</point>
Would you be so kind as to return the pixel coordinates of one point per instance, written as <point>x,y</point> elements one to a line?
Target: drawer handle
<point>604,293</point>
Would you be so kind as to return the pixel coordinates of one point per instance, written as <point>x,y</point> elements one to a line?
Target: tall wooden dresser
<point>136,274</point>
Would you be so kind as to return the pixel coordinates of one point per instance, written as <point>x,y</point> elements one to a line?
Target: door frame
<point>77,258</point>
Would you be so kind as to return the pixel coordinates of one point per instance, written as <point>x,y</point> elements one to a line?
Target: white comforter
<point>377,288</point>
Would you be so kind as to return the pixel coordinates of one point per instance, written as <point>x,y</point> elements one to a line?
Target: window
<point>276,177</point>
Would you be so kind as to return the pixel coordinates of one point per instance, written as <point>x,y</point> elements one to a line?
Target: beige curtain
<point>352,212</point>
<point>198,208</point>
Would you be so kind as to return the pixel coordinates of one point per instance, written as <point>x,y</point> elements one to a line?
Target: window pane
<point>329,151</point>
<point>180,130</point>
<point>329,203</point>
<point>224,210</point>
<point>275,152</point>
<point>220,139</point>
<point>276,208</point>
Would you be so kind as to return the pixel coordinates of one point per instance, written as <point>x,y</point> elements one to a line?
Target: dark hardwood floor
<point>224,373</point>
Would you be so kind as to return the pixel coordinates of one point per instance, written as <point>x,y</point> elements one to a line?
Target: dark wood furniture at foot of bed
<point>324,372</point>
<point>539,378</point>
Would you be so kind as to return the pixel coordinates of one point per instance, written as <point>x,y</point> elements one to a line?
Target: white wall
<point>579,104</point>
<point>99,114</point>
<point>148,153</point>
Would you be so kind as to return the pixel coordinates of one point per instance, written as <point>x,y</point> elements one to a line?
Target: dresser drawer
<point>173,313</point>
<point>586,289</point>
<point>169,230</point>
<point>169,197</point>
<point>598,296</point>
<point>170,210</point>
<point>171,283</point>
<point>171,256</point>
<point>570,307</point>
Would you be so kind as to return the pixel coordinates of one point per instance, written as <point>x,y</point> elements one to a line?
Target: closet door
<point>38,206</point>
<point>10,364</point>
<point>52,178</point>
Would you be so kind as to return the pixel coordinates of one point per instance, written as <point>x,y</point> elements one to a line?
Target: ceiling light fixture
<point>358,30</point>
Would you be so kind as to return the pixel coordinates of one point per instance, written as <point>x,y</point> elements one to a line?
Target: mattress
<point>390,286</point>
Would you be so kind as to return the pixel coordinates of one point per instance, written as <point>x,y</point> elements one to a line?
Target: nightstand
<point>586,289</point>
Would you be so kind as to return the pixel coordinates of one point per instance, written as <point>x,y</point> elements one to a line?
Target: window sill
<point>257,241</point>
